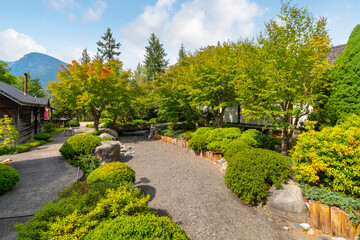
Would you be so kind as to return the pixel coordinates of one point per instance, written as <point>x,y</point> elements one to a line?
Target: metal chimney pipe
<point>25,83</point>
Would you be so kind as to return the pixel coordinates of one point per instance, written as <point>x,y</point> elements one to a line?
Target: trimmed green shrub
<point>219,145</point>
<point>8,178</point>
<point>116,172</point>
<point>233,148</point>
<point>72,123</point>
<point>186,135</point>
<point>80,208</point>
<point>97,132</point>
<point>88,163</point>
<point>251,137</point>
<point>251,173</point>
<point>123,201</point>
<point>330,158</point>
<point>42,136</point>
<point>138,227</point>
<point>198,142</point>
<point>79,145</point>
<point>48,126</point>
<point>89,125</point>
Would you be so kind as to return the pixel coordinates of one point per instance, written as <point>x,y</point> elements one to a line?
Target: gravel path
<point>191,191</point>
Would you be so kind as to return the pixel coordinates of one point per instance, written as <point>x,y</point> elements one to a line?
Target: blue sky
<point>63,28</point>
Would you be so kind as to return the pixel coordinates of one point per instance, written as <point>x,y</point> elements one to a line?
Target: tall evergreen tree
<point>85,58</point>
<point>155,62</point>
<point>107,48</point>
<point>345,97</point>
<point>182,52</point>
<point>140,74</point>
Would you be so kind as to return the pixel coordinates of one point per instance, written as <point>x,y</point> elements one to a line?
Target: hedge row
<point>218,139</point>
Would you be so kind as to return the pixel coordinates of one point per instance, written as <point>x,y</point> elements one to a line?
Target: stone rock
<point>323,237</point>
<point>153,131</point>
<point>305,226</point>
<point>108,151</point>
<point>288,203</point>
<point>221,161</point>
<point>223,167</point>
<point>295,225</point>
<point>338,238</point>
<point>112,132</point>
<point>311,232</point>
<point>106,135</point>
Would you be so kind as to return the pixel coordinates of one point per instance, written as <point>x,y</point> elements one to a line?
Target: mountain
<point>39,65</point>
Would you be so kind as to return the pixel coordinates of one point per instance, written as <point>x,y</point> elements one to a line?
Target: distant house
<point>26,111</point>
<point>233,114</point>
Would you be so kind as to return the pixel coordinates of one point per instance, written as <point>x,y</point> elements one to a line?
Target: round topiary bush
<point>252,172</point>
<point>42,136</point>
<point>8,178</point>
<point>115,172</point>
<point>234,148</point>
<point>79,145</point>
<point>73,123</point>
<point>198,142</point>
<point>138,227</point>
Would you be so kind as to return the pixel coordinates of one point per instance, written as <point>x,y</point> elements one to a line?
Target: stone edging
<point>213,156</point>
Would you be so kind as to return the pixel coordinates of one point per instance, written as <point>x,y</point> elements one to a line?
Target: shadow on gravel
<point>148,190</point>
<point>125,159</point>
<point>134,137</point>
<point>162,213</point>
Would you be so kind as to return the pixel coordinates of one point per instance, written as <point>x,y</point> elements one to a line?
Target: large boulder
<point>108,151</point>
<point>112,132</point>
<point>288,203</point>
<point>106,135</point>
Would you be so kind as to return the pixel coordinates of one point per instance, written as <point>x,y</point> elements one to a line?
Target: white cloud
<point>196,23</point>
<point>95,12</point>
<point>59,5</point>
<point>14,45</point>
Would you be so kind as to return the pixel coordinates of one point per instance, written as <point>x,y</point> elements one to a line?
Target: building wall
<point>24,118</point>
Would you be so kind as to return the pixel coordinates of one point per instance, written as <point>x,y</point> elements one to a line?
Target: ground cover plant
<point>252,171</point>
<point>21,147</point>
<point>8,178</point>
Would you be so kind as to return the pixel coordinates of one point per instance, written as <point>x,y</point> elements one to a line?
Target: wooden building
<point>26,111</point>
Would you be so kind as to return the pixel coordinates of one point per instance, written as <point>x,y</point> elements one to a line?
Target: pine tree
<point>107,48</point>
<point>140,74</point>
<point>182,52</point>
<point>85,58</point>
<point>155,62</point>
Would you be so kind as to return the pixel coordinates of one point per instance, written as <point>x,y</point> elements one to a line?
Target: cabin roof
<point>18,96</point>
<point>335,52</point>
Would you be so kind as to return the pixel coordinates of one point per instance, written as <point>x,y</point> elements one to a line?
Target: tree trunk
<point>114,121</point>
<point>286,141</point>
<point>219,118</point>
<point>96,118</point>
<point>77,116</point>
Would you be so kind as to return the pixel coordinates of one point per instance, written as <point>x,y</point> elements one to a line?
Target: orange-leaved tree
<point>91,86</point>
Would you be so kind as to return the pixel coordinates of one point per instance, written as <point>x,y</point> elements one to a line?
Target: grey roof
<point>335,52</point>
<point>18,96</point>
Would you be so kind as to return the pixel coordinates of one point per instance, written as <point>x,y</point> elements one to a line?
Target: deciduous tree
<point>280,72</point>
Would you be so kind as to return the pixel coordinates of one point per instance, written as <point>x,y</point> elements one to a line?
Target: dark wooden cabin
<point>26,111</point>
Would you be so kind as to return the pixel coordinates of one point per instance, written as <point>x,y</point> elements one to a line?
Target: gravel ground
<point>191,191</point>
